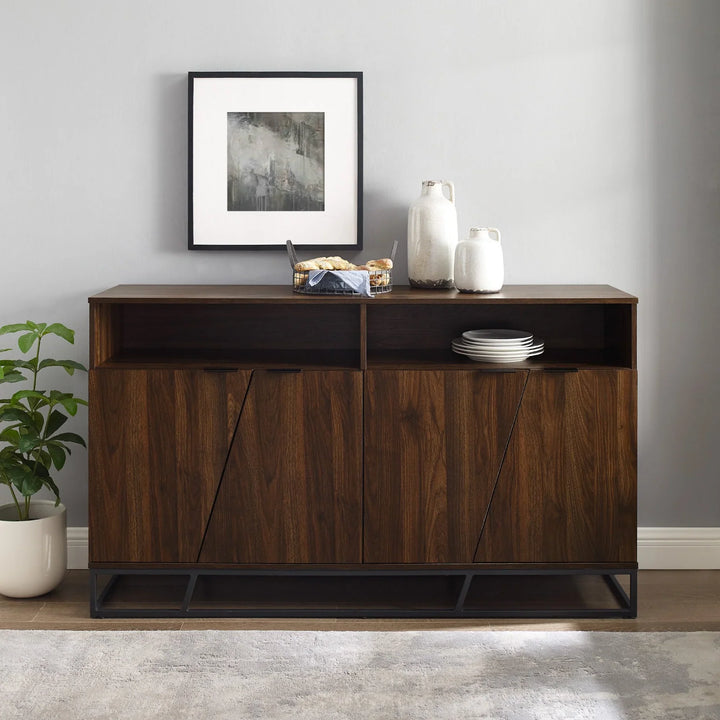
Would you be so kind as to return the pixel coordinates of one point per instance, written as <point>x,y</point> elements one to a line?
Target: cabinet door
<point>158,443</point>
<point>434,443</point>
<point>567,489</point>
<point>292,488</point>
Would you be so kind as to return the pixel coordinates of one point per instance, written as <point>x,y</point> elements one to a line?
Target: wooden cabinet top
<point>249,294</point>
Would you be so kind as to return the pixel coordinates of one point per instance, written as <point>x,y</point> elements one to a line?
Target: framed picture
<point>274,156</point>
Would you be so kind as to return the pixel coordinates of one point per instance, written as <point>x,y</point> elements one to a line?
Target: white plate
<point>501,337</point>
<point>467,348</point>
<point>533,351</point>
<point>495,348</point>
<point>494,359</point>
<point>489,344</point>
<point>506,355</point>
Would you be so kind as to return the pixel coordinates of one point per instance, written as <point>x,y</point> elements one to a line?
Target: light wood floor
<point>668,600</point>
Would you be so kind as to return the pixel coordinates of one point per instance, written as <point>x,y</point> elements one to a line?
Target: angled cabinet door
<point>567,488</point>
<point>292,488</point>
<point>158,444</point>
<point>434,444</point>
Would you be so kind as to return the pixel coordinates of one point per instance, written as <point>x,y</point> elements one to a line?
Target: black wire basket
<point>380,279</point>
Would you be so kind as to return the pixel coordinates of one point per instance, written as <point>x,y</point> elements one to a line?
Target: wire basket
<point>380,280</point>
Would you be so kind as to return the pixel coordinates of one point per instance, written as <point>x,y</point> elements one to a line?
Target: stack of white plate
<point>497,346</point>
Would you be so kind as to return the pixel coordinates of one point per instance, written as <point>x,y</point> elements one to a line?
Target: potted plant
<point>33,544</point>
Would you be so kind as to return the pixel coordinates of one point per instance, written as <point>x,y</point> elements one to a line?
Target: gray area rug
<point>328,675</point>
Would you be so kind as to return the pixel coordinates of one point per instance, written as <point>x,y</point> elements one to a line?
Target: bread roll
<point>337,263</point>
<point>307,265</point>
<point>382,263</point>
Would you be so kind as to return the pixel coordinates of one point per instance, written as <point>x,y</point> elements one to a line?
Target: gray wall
<point>587,131</point>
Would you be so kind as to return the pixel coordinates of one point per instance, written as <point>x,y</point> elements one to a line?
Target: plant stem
<point>33,406</point>
<point>37,361</point>
<point>17,504</point>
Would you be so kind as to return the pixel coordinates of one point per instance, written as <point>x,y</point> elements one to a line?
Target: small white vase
<point>432,236</point>
<point>33,553</point>
<point>479,266</point>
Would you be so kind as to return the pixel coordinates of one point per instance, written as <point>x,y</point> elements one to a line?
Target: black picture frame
<point>241,129</point>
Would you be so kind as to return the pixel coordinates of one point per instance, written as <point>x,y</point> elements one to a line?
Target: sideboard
<point>256,452</point>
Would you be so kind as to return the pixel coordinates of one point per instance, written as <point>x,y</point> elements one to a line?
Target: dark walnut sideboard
<point>255,452</point>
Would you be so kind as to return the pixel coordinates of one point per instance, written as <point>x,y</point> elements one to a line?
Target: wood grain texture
<point>292,489</point>
<point>105,332</point>
<point>218,328</point>
<point>435,428</point>
<point>158,440</point>
<point>433,445</point>
<point>194,294</point>
<point>567,489</point>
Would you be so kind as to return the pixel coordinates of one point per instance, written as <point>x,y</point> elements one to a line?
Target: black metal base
<point>411,593</point>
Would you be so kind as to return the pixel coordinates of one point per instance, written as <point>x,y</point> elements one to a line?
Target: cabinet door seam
<point>500,465</point>
<point>227,458</point>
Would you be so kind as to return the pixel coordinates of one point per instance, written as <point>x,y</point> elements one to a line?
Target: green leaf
<point>18,415</point>
<point>70,365</point>
<point>28,442</point>
<point>69,437</point>
<point>11,436</point>
<point>57,397</point>
<point>53,487</point>
<point>17,327</point>
<point>30,485</point>
<point>30,394</point>
<point>27,364</point>
<point>39,327</point>
<point>70,405</point>
<point>39,457</point>
<point>41,471</point>
<point>22,476</point>
<point>17,472</point>
<point>58,455</point>
<point>61,331</point>
<point>59,444</point>
<point>55,421</point>
<point>25,342</point>
<point>11,377</point>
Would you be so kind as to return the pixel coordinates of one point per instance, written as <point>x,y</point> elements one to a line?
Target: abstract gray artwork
<point>275,161</point>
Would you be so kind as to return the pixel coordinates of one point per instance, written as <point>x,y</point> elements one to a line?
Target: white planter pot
<point>33,553</point>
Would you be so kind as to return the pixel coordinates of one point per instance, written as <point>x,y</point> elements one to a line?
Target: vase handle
<point>451,189</point>
<point>496,231</point>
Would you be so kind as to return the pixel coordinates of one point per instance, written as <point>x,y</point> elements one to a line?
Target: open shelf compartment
<point>237,335</point>
<point>584,334</point>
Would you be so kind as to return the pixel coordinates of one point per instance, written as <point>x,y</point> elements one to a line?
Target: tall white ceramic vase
<point>33,553</point>
<point>432,236</point>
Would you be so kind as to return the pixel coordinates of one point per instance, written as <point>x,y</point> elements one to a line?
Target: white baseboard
<point>77,546</point>
<point>668,548</point>
<point>676,548</point>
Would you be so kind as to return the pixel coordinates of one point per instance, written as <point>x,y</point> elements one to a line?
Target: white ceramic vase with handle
<point>432,236</point>
<point>33,553</point>
<point>479,266</point>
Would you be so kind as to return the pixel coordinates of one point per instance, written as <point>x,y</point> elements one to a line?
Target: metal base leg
<point>451,605</point>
